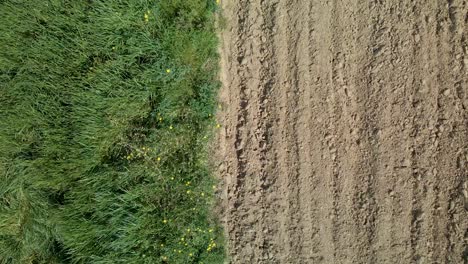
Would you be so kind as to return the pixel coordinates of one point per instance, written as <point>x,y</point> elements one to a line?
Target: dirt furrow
<point>285,95</point>
<point>237,135</point>
<point>309,205</point>
<point>322,167</point>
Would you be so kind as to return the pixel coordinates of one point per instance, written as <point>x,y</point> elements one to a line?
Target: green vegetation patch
<point>106,108</point>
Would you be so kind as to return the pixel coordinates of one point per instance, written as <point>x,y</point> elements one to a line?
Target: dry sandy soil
<point>345,131</point>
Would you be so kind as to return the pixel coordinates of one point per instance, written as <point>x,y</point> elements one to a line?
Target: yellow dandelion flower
<point>172,178</point>
<point>182,239</point>
<point>188,229</point>
<point>190,254</point>
<point>164,258</point>
<point>160,119</point>
<point>202,194</point>
<point>170,127</point>
<point>162,245</point>
<point>214,187</point>
<point>158,159</point>
<point>210,230</point>
<point>165,221</point>
<point>188,192</point>
<point>168,70</point>
<point>218,125</point>
<point>218,1</point>
<point>113,48</point>
<point>180,251</point>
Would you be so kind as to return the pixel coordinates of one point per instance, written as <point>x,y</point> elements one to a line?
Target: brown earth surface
<point>345,131</point>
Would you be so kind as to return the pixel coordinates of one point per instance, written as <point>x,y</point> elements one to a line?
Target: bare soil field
<point>345,131</point>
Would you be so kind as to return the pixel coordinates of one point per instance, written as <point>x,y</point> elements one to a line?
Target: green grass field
<point>106,110</point>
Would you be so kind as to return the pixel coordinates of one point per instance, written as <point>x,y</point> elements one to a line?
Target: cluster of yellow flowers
<point>183,241</point>
<point>147,13</point>
<point>211,245</point>
<point>139,153</point>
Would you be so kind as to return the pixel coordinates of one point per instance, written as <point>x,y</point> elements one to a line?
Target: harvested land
<point>345,131</point>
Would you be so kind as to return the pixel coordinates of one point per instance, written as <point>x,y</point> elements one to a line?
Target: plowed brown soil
<point>345,136</point>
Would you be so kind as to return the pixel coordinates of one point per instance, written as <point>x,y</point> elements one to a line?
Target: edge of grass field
<point>108,111</point>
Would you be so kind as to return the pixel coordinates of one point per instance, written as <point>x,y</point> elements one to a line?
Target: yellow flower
<point>190,254</point>
<point>180,251</point>
<point>172,178</point>
<point>165,221</point>
<point>168,70</point>
<point>188,192</point>
<point>159,158</point>
<point>202,194</point>
<point>218,125</point>
<point>211,230</point>
<point>160,119</point>
<point>170,127</point>
<point>164,258</point>
<point>218,1</point>
<point>188,229</point>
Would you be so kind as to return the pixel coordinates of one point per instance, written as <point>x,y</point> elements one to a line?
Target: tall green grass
<point>105,112</point>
